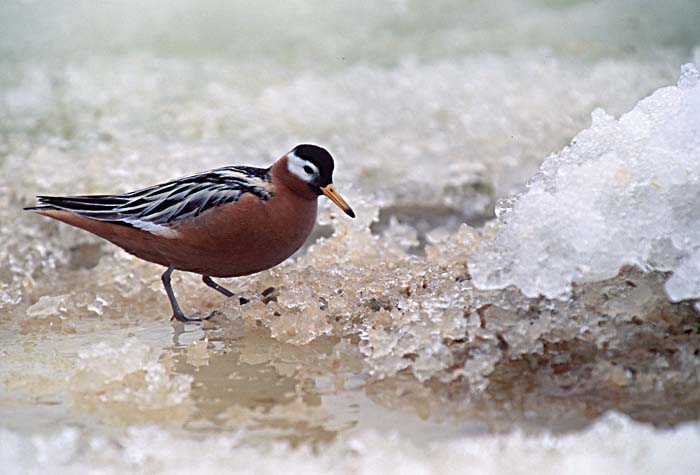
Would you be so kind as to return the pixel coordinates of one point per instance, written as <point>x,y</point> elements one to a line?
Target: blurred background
<point>460,97</point>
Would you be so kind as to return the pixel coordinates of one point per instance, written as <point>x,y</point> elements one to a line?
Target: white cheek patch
<point>296,165</point>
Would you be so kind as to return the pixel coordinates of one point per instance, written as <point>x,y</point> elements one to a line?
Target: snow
<point>624,192</point>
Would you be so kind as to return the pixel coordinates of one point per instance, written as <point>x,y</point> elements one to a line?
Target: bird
<point>226,222</point>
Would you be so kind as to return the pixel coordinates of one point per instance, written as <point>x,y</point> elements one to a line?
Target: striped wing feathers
<point>157,207</point>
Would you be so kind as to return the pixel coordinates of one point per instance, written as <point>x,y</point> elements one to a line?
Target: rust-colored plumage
<point>227,222</point>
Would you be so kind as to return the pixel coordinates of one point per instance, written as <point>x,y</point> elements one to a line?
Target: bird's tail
<point>77,204</point>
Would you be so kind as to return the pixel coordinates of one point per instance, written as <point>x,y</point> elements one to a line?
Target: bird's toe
<point>194,318</point>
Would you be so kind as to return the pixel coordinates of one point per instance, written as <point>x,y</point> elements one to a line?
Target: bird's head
<point>313,165</point>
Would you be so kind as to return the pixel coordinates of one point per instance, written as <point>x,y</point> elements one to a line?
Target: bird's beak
<point>334,196</point>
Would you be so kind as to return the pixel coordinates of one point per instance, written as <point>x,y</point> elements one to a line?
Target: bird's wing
<point>160,206</point>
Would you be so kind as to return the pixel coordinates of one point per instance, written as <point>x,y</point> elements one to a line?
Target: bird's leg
<point>177,312</point>
<point>210,282</point>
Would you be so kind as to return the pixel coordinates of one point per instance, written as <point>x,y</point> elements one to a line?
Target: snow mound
<point>624,192</point>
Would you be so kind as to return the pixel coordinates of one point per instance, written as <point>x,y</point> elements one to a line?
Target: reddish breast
<point>242,238</point>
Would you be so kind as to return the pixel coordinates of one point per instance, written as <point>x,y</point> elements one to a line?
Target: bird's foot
<point>269,295</point>
<point>194,318</point>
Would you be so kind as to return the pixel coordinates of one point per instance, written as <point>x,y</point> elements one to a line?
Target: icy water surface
<point>427,335</point>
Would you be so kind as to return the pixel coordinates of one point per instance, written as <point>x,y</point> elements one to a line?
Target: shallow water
<point>376,351</point>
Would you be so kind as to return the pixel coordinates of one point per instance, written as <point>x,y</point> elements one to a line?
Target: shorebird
<point>226,222</point>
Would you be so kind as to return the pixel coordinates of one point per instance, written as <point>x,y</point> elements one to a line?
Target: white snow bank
<point>623,192</point>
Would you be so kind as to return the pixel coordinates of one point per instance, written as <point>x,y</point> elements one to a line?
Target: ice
<point>624,192</point>
<point>103,370</point>
<point>614,444</point>
<point>685,281</point>
<point>46,306</point>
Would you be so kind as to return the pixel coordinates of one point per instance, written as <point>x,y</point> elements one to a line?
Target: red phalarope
<point>226,222</point>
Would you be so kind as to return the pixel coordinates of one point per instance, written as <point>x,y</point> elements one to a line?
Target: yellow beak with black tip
<point>334,196</point>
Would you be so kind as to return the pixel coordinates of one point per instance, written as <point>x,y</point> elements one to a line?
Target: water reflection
<point>270,390</point>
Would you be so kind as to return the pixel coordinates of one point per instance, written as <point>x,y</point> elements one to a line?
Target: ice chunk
<point>46,306</point>
<point>685,282</point>
<point>623,192</point>
<point>103,370</point>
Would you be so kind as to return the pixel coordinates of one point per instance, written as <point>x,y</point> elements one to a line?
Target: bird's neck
<point>281,176</point>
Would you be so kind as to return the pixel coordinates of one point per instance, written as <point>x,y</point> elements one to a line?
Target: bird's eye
<point>308,169</point>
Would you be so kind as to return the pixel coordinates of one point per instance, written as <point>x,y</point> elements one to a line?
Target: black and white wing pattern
<point>160,206</point>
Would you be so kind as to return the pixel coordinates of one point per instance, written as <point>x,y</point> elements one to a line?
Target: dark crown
<point>320,157</point>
